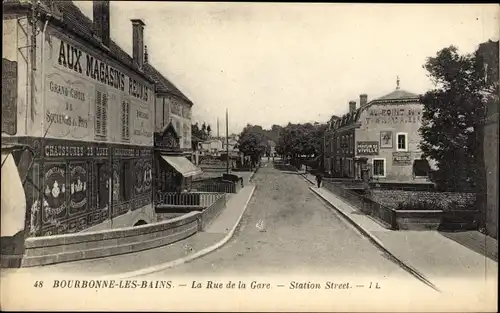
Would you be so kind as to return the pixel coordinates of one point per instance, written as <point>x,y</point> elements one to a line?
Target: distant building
<point>329,145</point>
<point>211,147</point>
<point>380,138</point>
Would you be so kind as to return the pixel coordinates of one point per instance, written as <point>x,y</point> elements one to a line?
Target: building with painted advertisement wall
<point>90,122</point>
<point>388,139</point>
<point>380,139</point>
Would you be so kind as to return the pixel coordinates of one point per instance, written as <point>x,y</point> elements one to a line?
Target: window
<point>101,114</point>
<point>125,120</point>
<point>379,167</point>
<point>402,139</point>
<point>351,143</point>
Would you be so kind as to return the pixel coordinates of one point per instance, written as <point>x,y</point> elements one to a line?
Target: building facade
<point>380,139</point>
<point>388,139</point>
<point>172,106</point>
<point>172,131</point>
<point>85,107</point>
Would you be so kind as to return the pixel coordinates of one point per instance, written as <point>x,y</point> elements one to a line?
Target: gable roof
<point>163,85</point>
<point>75,21</point>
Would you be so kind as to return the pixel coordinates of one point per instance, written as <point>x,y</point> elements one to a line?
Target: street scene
<point>293,147</point>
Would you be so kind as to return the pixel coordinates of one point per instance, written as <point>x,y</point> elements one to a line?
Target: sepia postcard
<point>225,156</point>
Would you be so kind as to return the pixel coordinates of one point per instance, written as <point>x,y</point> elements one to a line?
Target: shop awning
<point>13,197</point>
<point>182,165</point>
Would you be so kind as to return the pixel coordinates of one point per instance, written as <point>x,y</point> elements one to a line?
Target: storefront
<point>173,170</point>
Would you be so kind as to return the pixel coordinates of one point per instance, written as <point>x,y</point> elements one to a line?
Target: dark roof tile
<point>163,84</point>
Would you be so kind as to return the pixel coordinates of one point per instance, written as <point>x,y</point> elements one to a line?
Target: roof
<point>75,20</point>
<point>163,84</point>
<point>398,94</point>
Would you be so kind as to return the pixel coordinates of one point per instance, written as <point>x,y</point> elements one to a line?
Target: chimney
<point>101,21</point>
<point>363,100</point>
<point>352,106</point>
<point>138,42</point>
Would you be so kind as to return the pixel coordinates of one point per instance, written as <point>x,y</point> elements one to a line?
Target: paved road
<point>287,229</point>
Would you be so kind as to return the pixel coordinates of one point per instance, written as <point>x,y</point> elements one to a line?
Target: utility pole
<point>227,143</point>
<point>218,135</point>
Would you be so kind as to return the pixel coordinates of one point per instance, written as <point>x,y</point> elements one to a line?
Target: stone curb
<point>253,174</point>
<point>305,177</point>
<point>380,245</point>
<point>188,258</point>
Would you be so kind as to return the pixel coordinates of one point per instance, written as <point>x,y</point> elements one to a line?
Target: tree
<point>209,131</point>
<point>452,121</point>
<point>252,144</point>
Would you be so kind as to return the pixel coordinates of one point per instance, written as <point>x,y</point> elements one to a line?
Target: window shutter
<point>105,114</point>
<point>98,113</point>
<point>124,106</point>
<point>127,125</point>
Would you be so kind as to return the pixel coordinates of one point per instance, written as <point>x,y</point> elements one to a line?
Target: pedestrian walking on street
<point>319,179</point>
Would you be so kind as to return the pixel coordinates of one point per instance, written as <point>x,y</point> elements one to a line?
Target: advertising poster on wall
<point>367,147</point>
<point>401,158</point>
<point>385,139</point>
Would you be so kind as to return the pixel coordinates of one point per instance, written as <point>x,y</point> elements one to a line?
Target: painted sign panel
<point>54,206</point>
<point>66,107</point>
<point>386,139</point>
<point>367,147</point>
<point>9,97</point>
<point>401,158</point>
<point>91,66</point>
<point>56,148</point>
<point>142,123</point>
<point>390,115</point>
<point>75,85</point>
<point>78,197</point>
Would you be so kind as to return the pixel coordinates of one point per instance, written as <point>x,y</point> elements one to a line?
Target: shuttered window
<point>125,120</point>
<point>101,114</point>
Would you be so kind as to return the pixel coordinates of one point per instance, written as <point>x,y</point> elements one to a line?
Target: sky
<point>274,63</point>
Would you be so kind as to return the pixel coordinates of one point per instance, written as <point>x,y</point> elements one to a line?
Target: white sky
<point>272,63</point>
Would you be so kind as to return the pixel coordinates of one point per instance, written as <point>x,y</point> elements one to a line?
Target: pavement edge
<point>198,254</point>
<point>379,244</point>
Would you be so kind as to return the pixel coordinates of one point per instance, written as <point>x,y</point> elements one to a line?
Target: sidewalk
<point>150,261</point>
<point>427,255</point>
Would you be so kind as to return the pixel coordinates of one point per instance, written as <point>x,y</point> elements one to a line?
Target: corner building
<point>86,109</point>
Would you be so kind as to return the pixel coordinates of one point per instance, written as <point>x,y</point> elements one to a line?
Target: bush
<point>424,205</point>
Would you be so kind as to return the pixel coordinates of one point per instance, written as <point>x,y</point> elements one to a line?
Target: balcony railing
<point>186,199</point>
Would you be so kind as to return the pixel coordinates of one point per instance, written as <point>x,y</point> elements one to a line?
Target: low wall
<point>418,220</point>
<point>389,217</point>
<point>89,245</point>
<point>211,213</point>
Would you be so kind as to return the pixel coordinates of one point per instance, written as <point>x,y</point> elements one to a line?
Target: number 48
<point>38,284</point>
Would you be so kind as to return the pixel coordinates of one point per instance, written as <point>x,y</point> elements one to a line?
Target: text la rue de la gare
<point>209,284</point>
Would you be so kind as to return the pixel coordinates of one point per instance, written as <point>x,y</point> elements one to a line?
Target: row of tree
<point>202,133</point>
<point>301,140</point>
<point>293,141</point>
